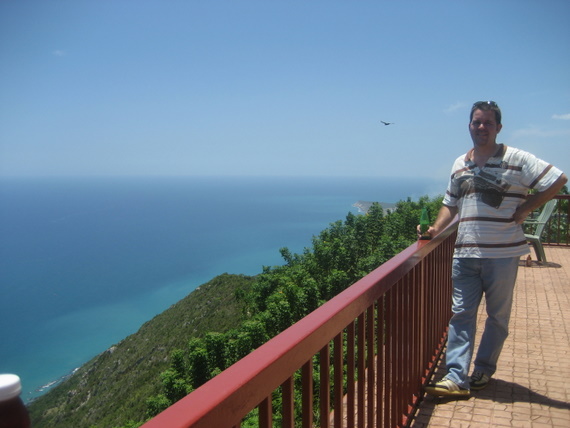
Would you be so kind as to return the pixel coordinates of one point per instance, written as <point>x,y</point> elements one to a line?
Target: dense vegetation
<point>196,339</point>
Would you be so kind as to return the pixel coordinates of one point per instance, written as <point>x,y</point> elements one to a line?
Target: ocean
<point>84,262</point>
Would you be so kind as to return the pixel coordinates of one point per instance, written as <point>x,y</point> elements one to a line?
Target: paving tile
<point>500,421</point>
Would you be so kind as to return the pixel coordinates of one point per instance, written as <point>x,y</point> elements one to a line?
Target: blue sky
<point>275,87</point>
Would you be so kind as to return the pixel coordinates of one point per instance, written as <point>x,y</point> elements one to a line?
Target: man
<point>488,188</point>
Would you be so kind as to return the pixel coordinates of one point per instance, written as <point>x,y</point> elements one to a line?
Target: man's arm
<point>538,199</point>
<point>444,217</point>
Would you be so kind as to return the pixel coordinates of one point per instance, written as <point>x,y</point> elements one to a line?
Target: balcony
<point>387,332</point>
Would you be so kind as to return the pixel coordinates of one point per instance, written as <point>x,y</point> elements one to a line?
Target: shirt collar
<point>501,150</point>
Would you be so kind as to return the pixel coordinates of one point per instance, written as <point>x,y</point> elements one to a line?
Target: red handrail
<point>392,321</point>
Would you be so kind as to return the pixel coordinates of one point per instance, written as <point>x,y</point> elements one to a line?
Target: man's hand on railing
<point>427,234</point>
<point>444,217</point>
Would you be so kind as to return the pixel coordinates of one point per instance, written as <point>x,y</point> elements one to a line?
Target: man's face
<point>484,128</point>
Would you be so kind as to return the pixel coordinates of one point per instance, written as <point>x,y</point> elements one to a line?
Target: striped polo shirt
<point>487,198</point>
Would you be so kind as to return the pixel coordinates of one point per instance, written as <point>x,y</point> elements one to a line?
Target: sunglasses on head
<point>482,103</point>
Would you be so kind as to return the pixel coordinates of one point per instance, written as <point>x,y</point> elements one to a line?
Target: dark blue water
<point>84,262</point>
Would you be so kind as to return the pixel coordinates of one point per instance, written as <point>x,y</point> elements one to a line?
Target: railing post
<point>350,374</point>
<point>381,362</point>
<point>370,329</point>
<point>307,393</point>
<point>288,395</point>
<point>325,390</point>
<point>338,380</point>
<point>266,413</point>
<point>361,362</point>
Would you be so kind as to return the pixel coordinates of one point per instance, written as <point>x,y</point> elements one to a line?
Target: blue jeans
<point>471,278</point>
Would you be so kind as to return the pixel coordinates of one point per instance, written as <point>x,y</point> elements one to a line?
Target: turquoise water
<point>85,262</point>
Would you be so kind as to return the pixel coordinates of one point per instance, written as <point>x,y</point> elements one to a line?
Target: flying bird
<point>387,123</point>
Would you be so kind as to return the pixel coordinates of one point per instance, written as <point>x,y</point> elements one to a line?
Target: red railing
<point>385,332</point>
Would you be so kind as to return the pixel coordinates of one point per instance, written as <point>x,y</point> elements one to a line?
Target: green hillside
<point>113,387</point>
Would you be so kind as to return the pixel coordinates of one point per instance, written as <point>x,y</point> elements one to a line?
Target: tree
<point>175,386</point>
<point>216,346</point>
<point>198,362</point>
<point>157,404</point>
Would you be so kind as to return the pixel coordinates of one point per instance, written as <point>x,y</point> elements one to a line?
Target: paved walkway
<point>532,385</point>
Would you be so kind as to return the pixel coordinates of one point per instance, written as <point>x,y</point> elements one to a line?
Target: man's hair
<point>486,106</point>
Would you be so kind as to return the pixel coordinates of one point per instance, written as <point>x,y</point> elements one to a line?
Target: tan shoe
<point>447,388</point>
